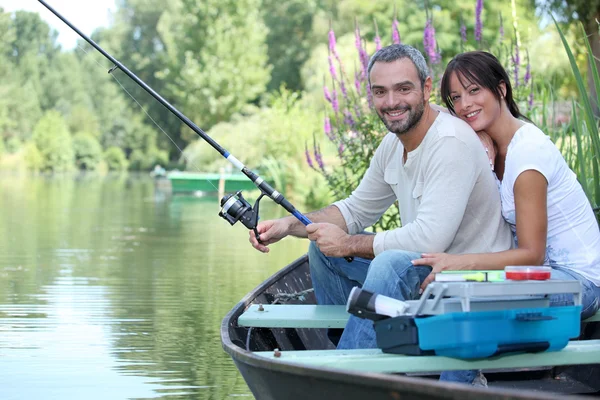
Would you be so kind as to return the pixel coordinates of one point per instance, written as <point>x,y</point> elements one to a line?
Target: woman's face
<point>473,103</point>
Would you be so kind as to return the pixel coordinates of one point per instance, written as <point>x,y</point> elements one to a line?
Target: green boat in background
<point>190,182</point>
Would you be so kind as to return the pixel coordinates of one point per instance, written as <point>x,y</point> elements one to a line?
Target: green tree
<point>289,40</point>
<point>88,152</point>
<point>217,57</point>
<point>115,159</point>
<point>135,40</point>
<point>52,138</point>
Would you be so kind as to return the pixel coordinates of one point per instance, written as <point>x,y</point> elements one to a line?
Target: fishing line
<point>187,159</point>
<point>234,207</point>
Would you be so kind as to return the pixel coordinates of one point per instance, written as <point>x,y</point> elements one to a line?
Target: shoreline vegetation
<point>292,102</point>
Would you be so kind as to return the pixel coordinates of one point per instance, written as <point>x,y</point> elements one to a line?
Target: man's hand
<point>330,238</point>
<point>269,232</point>
<point>441,262</point>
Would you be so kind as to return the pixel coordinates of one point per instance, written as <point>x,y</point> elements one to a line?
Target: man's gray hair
<point>396,52</point>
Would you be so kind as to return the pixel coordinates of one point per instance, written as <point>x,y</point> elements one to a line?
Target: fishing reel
<point>235,208</point>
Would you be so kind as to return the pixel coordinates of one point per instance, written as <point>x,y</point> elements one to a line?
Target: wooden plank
<point>373,360</point>
<point>294,316</point>
<point>593,318</point>
<point>306,316</point>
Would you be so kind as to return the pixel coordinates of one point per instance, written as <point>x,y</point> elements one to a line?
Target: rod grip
<point>307,221</point>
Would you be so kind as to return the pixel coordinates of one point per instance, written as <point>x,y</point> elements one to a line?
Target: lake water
<point>112,290</point>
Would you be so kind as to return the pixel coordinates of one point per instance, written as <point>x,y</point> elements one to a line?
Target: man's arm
<point>272,231</point>
<point>330,214</point>
<point>334,242</point>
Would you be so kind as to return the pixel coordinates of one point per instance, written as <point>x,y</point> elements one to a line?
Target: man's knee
<point>396,262</point>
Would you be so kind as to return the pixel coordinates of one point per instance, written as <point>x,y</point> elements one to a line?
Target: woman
<point>551,218</point>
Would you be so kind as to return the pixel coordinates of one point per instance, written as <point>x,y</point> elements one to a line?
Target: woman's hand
<point>441,262</point>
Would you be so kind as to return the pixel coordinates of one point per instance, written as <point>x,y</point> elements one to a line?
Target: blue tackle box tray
<point>488,333</point>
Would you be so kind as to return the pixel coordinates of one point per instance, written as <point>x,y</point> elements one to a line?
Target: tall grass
<point>584,123</point>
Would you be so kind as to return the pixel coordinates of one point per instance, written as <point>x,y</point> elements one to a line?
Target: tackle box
<point>479,334</point>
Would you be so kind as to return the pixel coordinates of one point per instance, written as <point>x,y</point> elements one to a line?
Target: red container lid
<point>527,273</point>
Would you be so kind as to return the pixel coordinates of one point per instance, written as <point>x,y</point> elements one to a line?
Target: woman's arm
<point>530,191</point>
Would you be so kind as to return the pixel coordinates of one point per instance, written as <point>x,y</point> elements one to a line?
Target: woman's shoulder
<point>531,138</point>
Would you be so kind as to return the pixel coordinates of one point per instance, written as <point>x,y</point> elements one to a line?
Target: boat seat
<point>294,316</point>
<point>374,360</point>
<point>305,316</point>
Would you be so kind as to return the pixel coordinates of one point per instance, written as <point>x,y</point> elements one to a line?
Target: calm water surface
<point>110,290</point>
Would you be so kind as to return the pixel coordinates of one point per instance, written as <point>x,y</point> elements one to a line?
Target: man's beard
<point>412,119</point>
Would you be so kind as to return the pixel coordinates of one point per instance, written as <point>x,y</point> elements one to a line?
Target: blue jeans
<point>392,274</point>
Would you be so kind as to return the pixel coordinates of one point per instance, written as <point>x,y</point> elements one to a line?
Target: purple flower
<point>326,93</point>
<point>341,149</point>
<point>463,32</point>
<point>429,43</point>
<point>308,159</point>
<point>344,90</point>
<point>516,59</point>
<point>501,30</point>
<point>530,100</point>
<point>377,37</point>
<point>357,111</point>
<point>334,101</point>
<point>395,32</point>
<point>332,71</point>
<point>348,120</point>
<point>478,23</point>
<point>327,127</point>
<point>318,157</point>
<point>362,54</point>
<point>357,81</point>
<point>527,76</point>
<point>332,44</point>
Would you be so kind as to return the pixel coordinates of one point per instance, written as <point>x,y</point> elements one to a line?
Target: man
<point>437,169</point>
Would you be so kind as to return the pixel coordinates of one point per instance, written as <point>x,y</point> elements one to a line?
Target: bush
<point>115,159</point>
<point>140,161</point>
<point>53,140</point>
<point>88,152</point>
<point>33,157</point>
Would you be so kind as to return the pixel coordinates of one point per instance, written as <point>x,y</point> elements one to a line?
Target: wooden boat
<point>189,182</point>
<point>288,359</point>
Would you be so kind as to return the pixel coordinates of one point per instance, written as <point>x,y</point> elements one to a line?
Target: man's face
<point>397,94</point>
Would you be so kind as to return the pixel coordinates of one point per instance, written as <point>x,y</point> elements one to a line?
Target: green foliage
<point>279,129</point>
<point>52,138</point>
<point>88,152</point>
<point>585,125</point>
<point>289,39</point>
<point>207,70</point>
<point>115,159</point>
<point>140,161</point>
<point>34,160</point>
<point>83,119</point>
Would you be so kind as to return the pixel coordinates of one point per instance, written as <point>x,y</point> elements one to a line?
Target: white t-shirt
<point>573,236</point>
<point>448,197</point>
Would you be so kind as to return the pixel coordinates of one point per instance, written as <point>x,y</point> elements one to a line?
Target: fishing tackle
<point>234,207</point>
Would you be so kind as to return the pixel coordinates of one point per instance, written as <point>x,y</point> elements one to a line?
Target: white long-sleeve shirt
<point>449,200</point>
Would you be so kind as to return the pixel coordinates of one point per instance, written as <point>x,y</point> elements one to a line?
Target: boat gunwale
<point>417,385</point>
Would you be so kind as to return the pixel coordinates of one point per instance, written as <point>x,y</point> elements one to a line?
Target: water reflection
<point>110,291</point>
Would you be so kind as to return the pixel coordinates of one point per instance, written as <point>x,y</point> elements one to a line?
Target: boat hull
<point>270,379</point>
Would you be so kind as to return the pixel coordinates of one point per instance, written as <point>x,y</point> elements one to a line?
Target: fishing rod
<point>234,207</point>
